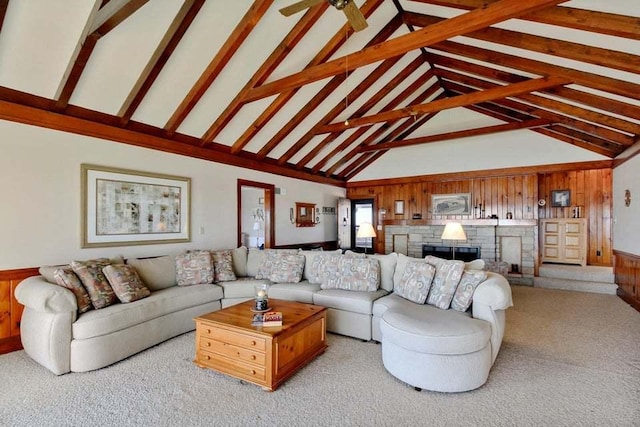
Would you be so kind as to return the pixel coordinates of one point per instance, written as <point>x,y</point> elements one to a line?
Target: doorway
<point>256,214</point>
<point>362,212</point>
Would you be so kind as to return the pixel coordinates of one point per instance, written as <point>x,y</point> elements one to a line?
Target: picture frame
<point>398,207</point>
<point>122,207</point>
<point>560,198</point>
<point>451,204</point>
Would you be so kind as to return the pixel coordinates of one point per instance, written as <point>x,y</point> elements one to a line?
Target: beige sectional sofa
<point>58,337</point>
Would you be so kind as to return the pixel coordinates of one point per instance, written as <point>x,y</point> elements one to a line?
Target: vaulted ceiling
<point>305,96</point>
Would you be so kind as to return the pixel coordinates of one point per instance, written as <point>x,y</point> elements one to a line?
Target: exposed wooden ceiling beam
<point>457,101</point>
<point>67,123</point>
<point>339,38</point>
<point>486,130</point>
<point>4,5</point>
<point>224,55</point>
<point>161,55</point>
<point>570,17</point>
<point>270,64</point>
<point>470,21</point>
<point>595,81</point>
<point>564,49</point>
<point>99,23</point>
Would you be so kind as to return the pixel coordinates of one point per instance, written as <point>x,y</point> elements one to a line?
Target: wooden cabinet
<point>10,308</point>
<point>564,240</point>
<point>226,342</point>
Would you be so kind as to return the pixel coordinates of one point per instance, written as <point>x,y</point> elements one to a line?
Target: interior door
<point>362,212</point>
<point>256,214</point>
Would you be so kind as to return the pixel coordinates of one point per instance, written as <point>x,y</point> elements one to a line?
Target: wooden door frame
<point>269,210</point>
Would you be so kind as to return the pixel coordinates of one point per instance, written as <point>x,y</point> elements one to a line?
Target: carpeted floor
<point>568,359</point>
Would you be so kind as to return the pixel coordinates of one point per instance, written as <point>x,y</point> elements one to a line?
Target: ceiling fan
<point>353,14</point>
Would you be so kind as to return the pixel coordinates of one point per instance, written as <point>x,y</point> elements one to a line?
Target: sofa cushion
<point>122,316</point>
<point>254,261</point>
<point>242,287</point>
<point>156,273</point>
<point>401,264</point>
<point>67,278</point>
<point>48,270</point>
<point>194,268</point>
<point>387,269</point>
<point>95,282</point>
<point>467,286</point>
<point>302,291</point>
<point>416,281</point>
<point>310,272</point>
<point>321,265</point>
<point>239,256</point>
<point>125,282</point>
<point>355,274</point>
<point>426,329</point>
<point>354,301</point>
<point>287,268</point>
<point>223,266</point>
<point>448,274</point>
<point>269,259</point>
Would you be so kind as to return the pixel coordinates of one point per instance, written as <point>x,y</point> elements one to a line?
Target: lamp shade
<point>453,231</point>
<point>366,230</point>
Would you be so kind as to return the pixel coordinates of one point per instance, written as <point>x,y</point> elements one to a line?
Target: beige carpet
<point>568,359</point>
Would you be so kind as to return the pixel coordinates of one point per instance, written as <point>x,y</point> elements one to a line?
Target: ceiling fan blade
<point>355,17</point>
<point>299,6</point>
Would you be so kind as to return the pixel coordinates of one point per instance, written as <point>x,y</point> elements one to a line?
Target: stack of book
<point>270,318</point>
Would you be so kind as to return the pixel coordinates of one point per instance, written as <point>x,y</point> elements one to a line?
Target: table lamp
<point>366,230</point>
<point>453,231</point>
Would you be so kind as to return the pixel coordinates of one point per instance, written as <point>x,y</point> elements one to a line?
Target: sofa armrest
<point>38,294</point>
<point>494,292</point>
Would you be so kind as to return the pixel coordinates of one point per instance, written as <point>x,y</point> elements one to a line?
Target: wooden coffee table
<point>227,342</point>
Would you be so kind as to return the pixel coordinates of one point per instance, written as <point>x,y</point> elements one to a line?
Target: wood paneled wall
<point>10,308</point>
<point>517,193</point>
<point>627,268</point>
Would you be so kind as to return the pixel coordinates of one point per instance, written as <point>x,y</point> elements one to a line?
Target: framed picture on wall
<point>398,207</point>
<point>122,207</point>
<point>451,204</point>
<point>560,198</point>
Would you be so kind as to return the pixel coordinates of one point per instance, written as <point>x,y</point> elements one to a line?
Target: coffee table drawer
<point>239,339</point>
<point>232,366</point>
<point>233,351</point>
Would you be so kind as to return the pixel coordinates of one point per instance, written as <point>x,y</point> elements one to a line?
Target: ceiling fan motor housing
<point>339,4</point>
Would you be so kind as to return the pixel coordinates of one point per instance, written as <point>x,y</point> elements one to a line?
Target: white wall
<point>40,203</point>
<point>626,220</point>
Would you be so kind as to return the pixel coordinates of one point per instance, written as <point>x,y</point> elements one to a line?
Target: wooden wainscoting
<point>10,308</point>
<point>627,271</point>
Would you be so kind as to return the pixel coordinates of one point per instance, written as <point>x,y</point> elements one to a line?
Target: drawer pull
<point>253,343</point>
<point>253,357</point>
<point>253,372</point>
<point>208,344</point>
<point>208,331</point>
<point>208,357</point>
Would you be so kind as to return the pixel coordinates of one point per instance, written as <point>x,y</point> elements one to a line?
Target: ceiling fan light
<point>339,4</point>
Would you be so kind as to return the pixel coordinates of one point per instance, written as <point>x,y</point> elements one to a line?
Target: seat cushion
<point>428,329</point>
<point>121,316</point>
<point>354,301</point>
<point>243,287</point>
<point>301,291</point>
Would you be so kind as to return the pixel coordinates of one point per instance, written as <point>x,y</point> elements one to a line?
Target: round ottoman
<point>434,349</point>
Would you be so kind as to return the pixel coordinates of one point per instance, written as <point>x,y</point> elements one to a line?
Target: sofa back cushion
<point>416,281</point>
<point>156,273</point>
<point>95,282</point>
<point>125,282</point>
<point>354,274</point>
<point>194,268</point>
<point>254,261</point>
<point>388,264</point>
<point>464,292</point>
<point>239,256</point>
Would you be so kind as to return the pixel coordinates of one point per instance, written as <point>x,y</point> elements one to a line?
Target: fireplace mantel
<point>476,222</point>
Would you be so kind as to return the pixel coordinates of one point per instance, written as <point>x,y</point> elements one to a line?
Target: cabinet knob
<point>208,357</point>
<point>208,331</point>
<point>208,344</point>
<point>253,372</point>
<point>253,343</point>
<point>253,357</point>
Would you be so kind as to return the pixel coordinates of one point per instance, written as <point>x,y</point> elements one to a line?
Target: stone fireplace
<point>510,241</point>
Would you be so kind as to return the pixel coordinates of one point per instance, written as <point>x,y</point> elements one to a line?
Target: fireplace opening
<point>463,253</point>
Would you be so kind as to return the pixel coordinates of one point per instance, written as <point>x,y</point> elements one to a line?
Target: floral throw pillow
<point>287,268</point>
<point>125,282</point>
<point>194,268</point>
<point>95,282</point>
<point>223,266</point>
<point>467,286</point>
<point>67,278</point>
<point>323,264</point>
<point>354,274</point>
<point>269,259</point>
<point>448,274</point>
<point>416,281</point>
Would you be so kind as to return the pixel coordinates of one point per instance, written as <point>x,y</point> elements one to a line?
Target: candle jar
<point>261,297</point>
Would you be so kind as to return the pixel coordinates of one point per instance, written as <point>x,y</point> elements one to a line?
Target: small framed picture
<point>560,198</point>
<point>398,207</point>
<point>261,200</point>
